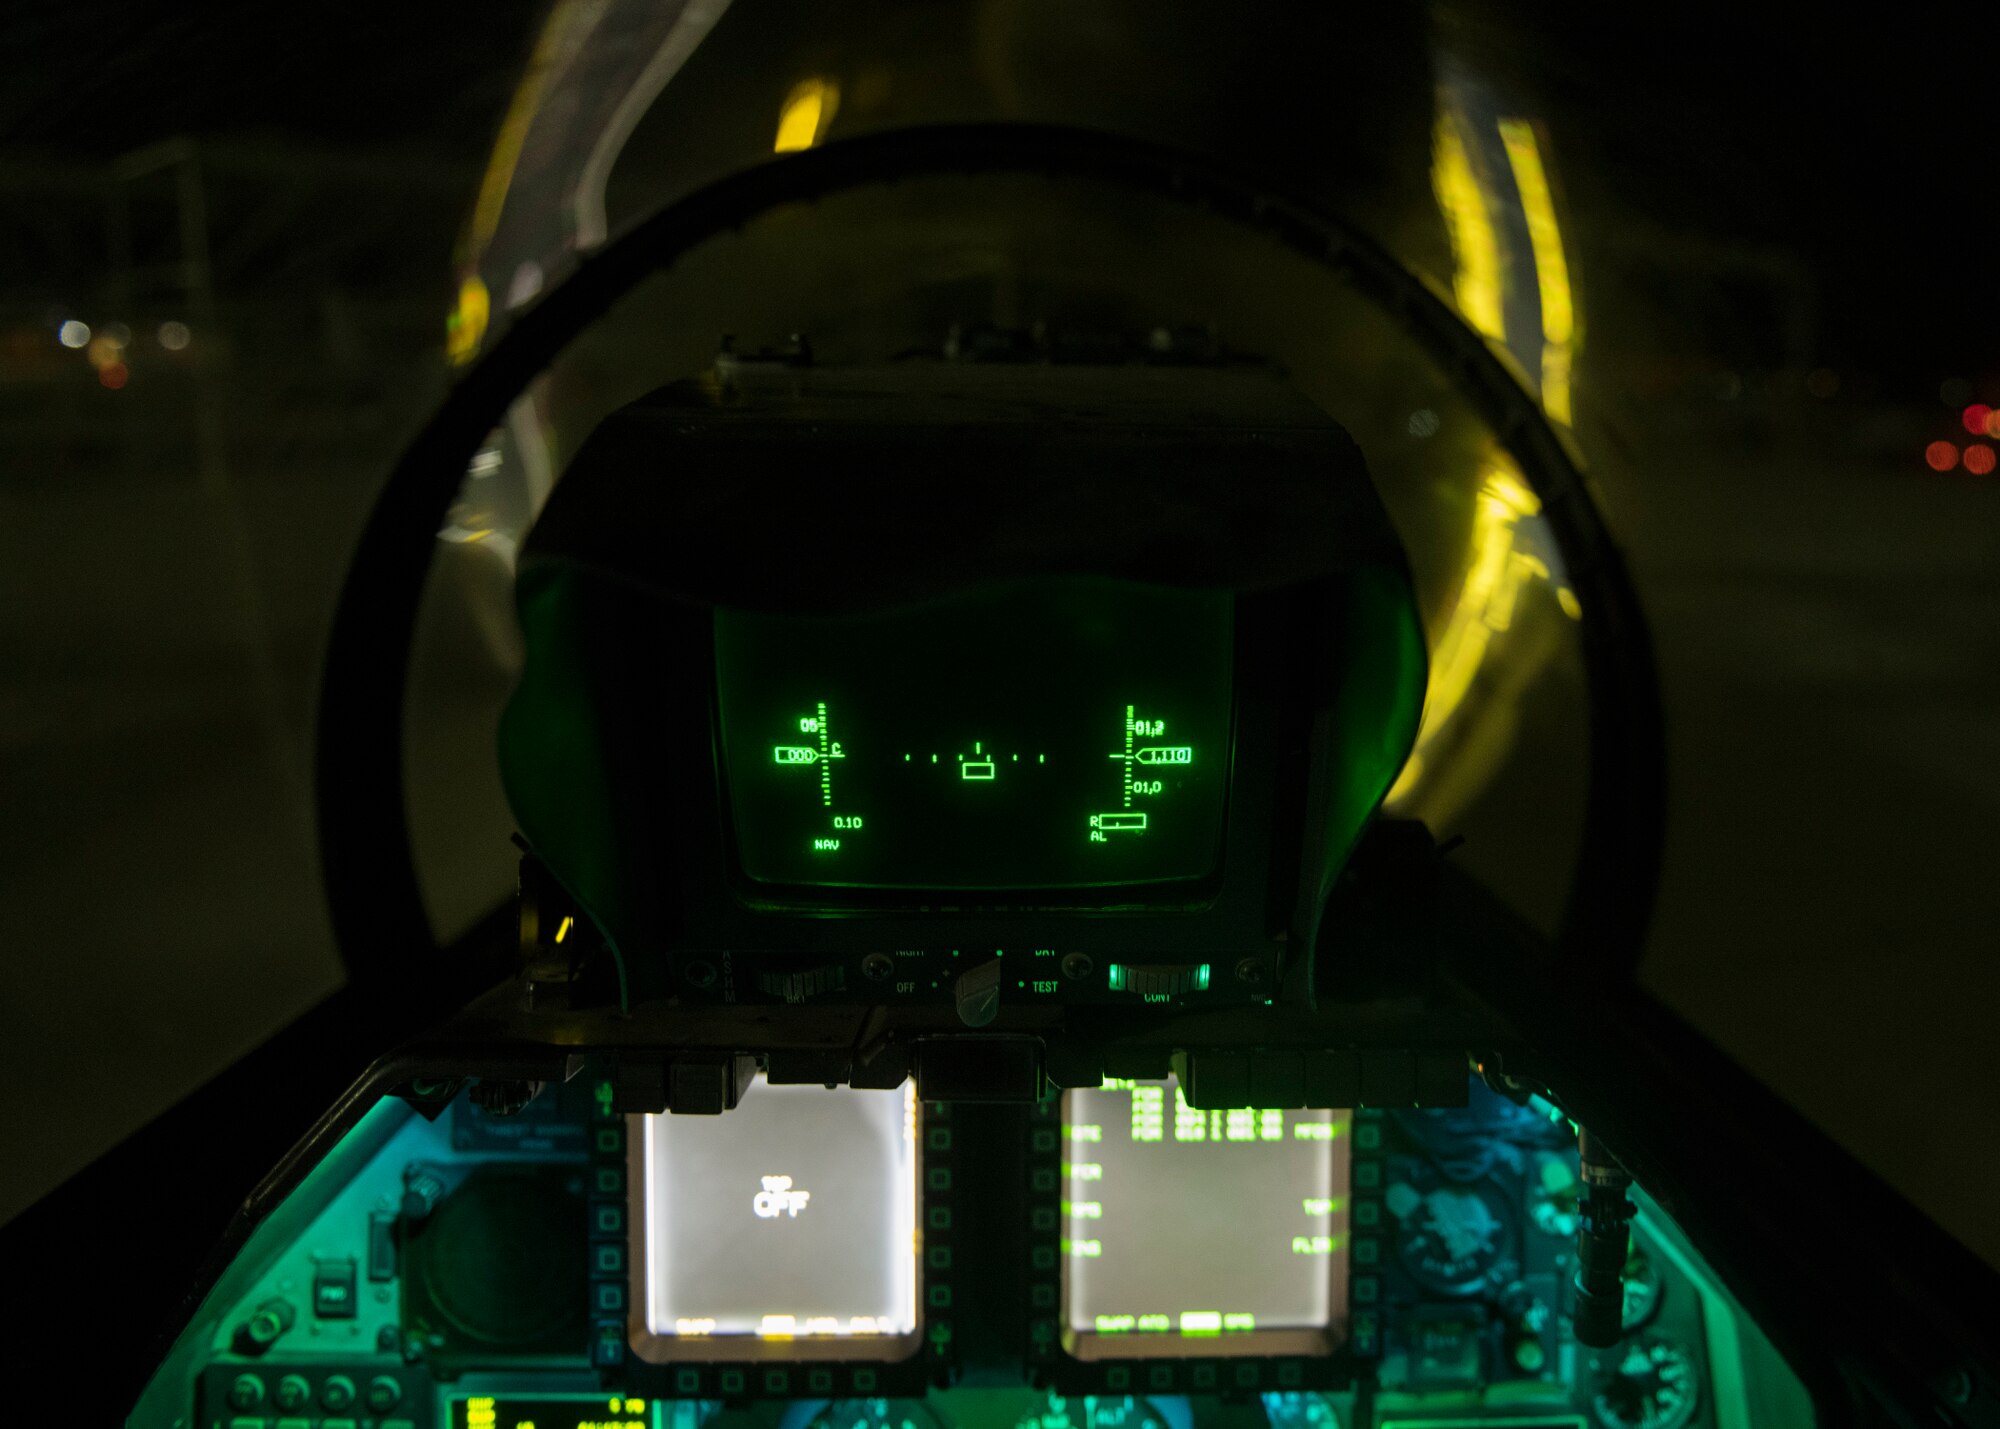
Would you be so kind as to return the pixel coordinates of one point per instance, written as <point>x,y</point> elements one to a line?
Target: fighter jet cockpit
<point>994,768</point>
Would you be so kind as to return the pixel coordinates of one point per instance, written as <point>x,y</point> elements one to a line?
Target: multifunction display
<point>793,1218</point>
<point>1201,1232</point>
<point>1046,735</point>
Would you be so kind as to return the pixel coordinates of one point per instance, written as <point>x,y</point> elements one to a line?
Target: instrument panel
<point>853,1259</point>
<point>1094,719</point>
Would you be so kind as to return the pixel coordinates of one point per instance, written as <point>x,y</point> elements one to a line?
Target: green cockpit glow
<point>1056,734</point>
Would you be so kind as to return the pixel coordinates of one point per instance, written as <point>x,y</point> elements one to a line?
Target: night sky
<point>99,77</point>
<point>1861,143</point>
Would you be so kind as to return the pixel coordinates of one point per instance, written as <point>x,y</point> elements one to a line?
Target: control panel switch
<point>334,1289</point>
<point>382,1246</point>
<point>977,994</point>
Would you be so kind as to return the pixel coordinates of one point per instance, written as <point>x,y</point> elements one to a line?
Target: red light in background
<point>113,375</point>
<point>1975,418</point>
<point>1942,456</point>
<point>1979,460</point>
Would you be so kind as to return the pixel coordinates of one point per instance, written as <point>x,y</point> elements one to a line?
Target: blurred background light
<point>1976,417</point>
<point>114,375</point>
<point>73,333</point>
<point>1424,423</point>
<point>174,336</point>
<point>1979,459</point>
<point>807,112</point>
<point>1941,456</point>
<point>525,284</point>
<point>465,328</point>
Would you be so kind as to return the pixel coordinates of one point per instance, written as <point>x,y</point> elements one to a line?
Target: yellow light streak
<point>1484,608</point>
<point>562,932</point>
<point>513,136</point>
<point>1531,180</point>
<point>1475,248</point>
<point>807,112</point>
<point>465,329</point>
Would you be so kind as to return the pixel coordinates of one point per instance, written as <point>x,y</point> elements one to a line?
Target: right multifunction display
<point>1050,734</point>
<point>1201,1232</point>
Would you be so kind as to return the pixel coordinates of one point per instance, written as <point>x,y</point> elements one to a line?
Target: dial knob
<point>337,1392</point>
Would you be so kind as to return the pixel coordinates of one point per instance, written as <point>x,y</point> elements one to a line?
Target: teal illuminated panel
<point>1069,733</point>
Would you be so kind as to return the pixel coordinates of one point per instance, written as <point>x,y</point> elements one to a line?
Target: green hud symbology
<point>1060,734</point>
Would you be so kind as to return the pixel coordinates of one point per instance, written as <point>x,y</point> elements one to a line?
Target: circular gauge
<point>1450,1238</point>
<point>1643,1289</point>
<point>528,1299</point>
<point>1647,1383</point>
<point>1292,1409</point>
<point>875,1414</point>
